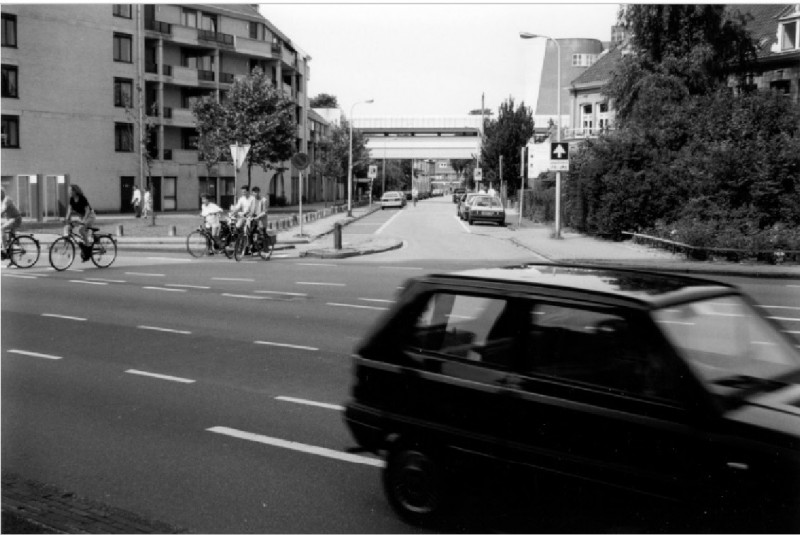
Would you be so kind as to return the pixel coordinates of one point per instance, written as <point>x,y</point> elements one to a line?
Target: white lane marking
<point>293,346</point>
<point>293,294</point>
<point>32,354</point>
<point>464,225</point>
<point>310,264</point>
<point>793,285</point>
<point>356,306</point>
<point>792,332</point>
<point>243,296</point>
<point>20,276</point>
<point>231,279</point>
<point>312,403</point>
<point>169,259</point>
<point>322,283</point>
<point>151,328</point>
<point>104,280</point>
<point>162,289</point>
<point>388,222</point>
<point>375,300</point>
<point>89,282</point>
<point>64,317</point>
<point>783,319</point>
<point>189,286</point>
<point>160,376</point>
<point>280,256</point>
<point>400,267</point>
<point>297,446</point>
<point>145,274</point>
<point>778,306</point>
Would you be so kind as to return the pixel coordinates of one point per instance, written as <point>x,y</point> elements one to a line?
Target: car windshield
<point>728,344</point>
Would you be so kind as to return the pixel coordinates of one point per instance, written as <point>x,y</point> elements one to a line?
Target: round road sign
<point>300,160</point>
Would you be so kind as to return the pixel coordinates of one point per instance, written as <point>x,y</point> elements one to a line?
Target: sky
<point>418,59</point>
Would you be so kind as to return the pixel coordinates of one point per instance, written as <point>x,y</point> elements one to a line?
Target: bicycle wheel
<point>197,244</point>
<point>104,250</point>
<point>24,251</point>
<point>62,253</point>
<point>266,247</point>
<point>240,247</point>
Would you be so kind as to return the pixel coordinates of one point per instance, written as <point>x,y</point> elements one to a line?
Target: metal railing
<point>217,37</point>
<point>226,78</point>
<point>586,132</point>
<point>205,76</point>
<point>158,26</point>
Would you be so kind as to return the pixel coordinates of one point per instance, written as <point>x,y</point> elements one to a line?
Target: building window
<point>10,131</point>
<point>587,119</point>
<point>169,193</point>
<point>253,30</point>
<point>189,139</point>
<point>123,48</point>
<point>123,92</point>
<point>122,10</point>
<point>208,22</point>
<point>9,30</point>
<point>782,87</point>
<point>123,137</point>
<point>190,18</point>
<point>789,37</point>
<point>583,60</point>
<point>10,75</point>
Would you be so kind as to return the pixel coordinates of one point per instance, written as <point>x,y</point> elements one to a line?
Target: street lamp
<point>350,165</point>
<point>527,35</point>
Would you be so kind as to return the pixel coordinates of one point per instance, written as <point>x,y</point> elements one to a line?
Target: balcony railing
<point>205,76</point>
<point>152,68</point>
<point>276,48</point>
<point>158,26</point>
<point>226,78</point>
<point>217,37</point>
<point>586,132</point>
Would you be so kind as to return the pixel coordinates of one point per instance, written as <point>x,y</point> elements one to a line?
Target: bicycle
<point>62,251</point>
<point>23,250</point>
<point>259,242</point>
<point>200,242</point>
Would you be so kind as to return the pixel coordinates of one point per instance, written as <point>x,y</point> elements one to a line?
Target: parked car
<point>457,193</point>
<point>668,386</point>
<point>486,208</point>
<point>466,201</point>
<point>393,199</point>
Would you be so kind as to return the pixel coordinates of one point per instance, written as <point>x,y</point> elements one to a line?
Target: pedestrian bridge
<point>398,138</point>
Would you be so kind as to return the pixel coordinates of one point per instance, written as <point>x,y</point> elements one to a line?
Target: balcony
<point>254,47</point>
<point>158,26</point>
<point>226,78</point>
<point>182,117</point>
<point>585,133</point>
<point>205,76</point>
<point>216,37</point>
<point>183,156</point>
<point>184,76</point>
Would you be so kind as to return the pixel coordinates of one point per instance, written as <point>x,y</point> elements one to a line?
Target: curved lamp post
<point>527,35</point>
<point>350,165</point>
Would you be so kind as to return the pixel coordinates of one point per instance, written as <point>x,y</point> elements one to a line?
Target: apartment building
<point>81,82</point>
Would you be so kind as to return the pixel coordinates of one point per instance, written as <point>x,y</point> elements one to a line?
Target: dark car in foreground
<point>670,387</point>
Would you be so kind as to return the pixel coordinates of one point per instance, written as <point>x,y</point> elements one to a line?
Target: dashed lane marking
<point>89,282</point>
<point>375,300</point>
<point>356,306</point>
<point>297,446</point>
<point>190,286</point>
<point>20,276</point>
<point>162,289</point>
<point>145,274</point>
<point>293,294</point>
<point>311,403</point>
<point>32,354</point>
<point>292,346</point>
<point>779,306</point>
<point>231,279</point>
<point>60,316</point>
<point>161,376</point>
<point>783,319</point>
<point>245,296</point>
<point>322,283</point>
<point>162,329</point>
<point>104,280</point>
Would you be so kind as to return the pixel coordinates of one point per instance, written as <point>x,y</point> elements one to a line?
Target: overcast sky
<point>430,59</point>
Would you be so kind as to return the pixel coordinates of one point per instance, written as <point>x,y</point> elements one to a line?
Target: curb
<point>346,252</point>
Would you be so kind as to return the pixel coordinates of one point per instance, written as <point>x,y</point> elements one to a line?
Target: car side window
<point>468,327</point>
<point>594,347</point>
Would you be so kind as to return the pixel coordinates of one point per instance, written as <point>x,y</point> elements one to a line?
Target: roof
<point>600,70</point>
<point>646,288</point>
<point>762,23</point>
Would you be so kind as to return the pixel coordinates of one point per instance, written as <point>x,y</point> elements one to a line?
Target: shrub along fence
<point>772,256</point>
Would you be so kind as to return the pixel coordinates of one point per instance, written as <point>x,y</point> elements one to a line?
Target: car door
<point>598,401</point>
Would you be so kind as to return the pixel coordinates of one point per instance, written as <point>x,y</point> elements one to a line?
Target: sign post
<point>559,161</point>
<point>238,154</point>
<point>300,160</point>
<point>523,172</point>
<point>372,174</point>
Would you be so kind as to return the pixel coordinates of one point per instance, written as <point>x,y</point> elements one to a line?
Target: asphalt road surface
<point>208,393</point>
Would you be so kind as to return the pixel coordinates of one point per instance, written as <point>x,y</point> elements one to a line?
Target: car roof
<point>649,289</point>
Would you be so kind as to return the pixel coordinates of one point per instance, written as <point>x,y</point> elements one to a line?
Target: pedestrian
<point>211,212</point>
<point>492,191</point>
<point>79,205</point>
<point>414,195</point>
<point>136,201</point>
<point>11,218</point>
<point>148,202</point>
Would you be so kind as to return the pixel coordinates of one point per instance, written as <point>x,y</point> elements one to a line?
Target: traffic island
<point>370,246</point>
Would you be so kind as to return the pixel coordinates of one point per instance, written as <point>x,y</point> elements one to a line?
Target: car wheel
<point>470,220</point>
<point>414,484</point>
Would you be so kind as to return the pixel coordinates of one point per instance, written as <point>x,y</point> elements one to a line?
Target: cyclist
<point>79,206</point>
<point>243,207</point>
<point>11,218</point>
<point>210,212</point>
<point>260,209</point>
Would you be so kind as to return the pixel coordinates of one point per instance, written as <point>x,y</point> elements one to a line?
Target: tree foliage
<point>324,100</point>
<point>504,137</point>
<point>254,112</point>
<point>335,154</point>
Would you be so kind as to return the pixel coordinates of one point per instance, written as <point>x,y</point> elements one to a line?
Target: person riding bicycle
<point>243,207</point>
<point>79,205</point>
<point>11,218</point>
<point>210,213</point>
<point>260,210</point>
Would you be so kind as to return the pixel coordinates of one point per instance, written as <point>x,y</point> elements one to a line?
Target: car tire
<point>470,220</point>
<point>414,484</point>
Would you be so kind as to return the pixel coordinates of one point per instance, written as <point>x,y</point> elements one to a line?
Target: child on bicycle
<point>11,218</point>
<point>211,213</point>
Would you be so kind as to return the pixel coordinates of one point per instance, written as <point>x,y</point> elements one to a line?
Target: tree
<point>324,100</point>
<point>335,154</point>
<point>253,113</point>
<point>146,126</point>
<point>504,137</point>
<point>460,165</point>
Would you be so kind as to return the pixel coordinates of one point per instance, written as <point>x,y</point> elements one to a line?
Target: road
<point>208,393</point>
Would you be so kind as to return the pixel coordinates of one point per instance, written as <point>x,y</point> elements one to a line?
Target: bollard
<point>172,230</point>
<point>337,235</point>
<point>119,230</point>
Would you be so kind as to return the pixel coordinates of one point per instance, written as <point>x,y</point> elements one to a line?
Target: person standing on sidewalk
<point>136,201</point>
<point>148,202</point>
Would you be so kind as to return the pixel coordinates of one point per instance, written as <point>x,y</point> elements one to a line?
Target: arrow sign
<point>559,151</point>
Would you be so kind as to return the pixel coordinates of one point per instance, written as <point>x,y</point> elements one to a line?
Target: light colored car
<point>466,201</point>
<point>393,199</point>
<point>486,208</point>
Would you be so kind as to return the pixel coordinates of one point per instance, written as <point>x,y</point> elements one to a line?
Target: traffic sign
<point>238,154</point>
<point>478,174</point>
<point>559,151</point>
<point>559,166</point>
<point>373,171</point>
<point>300,160</point>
